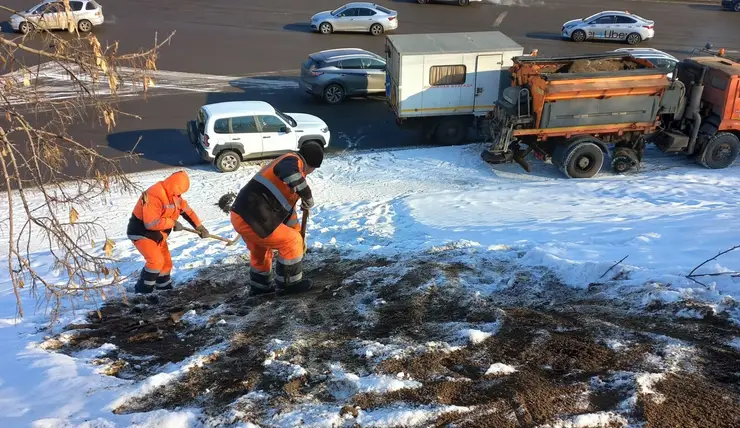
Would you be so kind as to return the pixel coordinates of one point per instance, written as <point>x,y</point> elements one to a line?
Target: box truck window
<point>440,75</point>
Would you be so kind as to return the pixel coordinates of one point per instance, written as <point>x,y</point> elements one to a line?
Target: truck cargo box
<point>448,73</point>
<point>602,89</point>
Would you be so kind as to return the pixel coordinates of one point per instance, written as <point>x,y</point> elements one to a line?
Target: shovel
<point>220,238</point>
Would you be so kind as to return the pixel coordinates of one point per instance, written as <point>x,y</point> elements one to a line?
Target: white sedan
<point>610,25</point>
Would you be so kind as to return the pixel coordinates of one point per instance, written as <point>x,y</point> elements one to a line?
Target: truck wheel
<point>720,151</point>
<point>633,38</point>
<point>450,132</point>
<point>578,36</point>
<point>582,160</point>
<point>228,161</point>
<point>624,159</point>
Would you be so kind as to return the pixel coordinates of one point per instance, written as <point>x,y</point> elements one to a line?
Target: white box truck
<point>445,83</point>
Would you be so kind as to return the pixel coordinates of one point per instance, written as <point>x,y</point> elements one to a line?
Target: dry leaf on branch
<point>26,78</point>
<point>73,215</point>
<point>108,247</point>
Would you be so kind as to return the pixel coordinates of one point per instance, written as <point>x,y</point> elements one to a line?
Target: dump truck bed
<point>588,90</point>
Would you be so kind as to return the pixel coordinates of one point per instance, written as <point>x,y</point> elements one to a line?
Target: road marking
<point>500,18</point>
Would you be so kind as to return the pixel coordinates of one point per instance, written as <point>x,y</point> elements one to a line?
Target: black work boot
<point>260,283</point>
<point>289,279</point>
<point>145,284</point>
<point>294,288</point>
<point>164,282</point>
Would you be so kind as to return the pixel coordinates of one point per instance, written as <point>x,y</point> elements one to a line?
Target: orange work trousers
<point>285,239</point>
<point>157,255</point>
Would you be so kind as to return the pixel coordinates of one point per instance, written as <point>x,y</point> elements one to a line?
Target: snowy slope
<point>667,219</point>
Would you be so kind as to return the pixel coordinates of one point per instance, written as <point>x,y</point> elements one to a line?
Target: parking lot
<point>252,51</point>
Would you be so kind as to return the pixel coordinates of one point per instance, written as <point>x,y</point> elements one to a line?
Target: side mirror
<point>285,130</point>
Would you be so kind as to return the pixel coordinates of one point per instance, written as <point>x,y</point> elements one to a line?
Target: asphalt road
<point>259,37</point>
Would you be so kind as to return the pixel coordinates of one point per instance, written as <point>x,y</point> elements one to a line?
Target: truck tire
<point>578,36</point>
<point>450,132</point>
<point>228,161</point>
<point>720,151</point>
<point>582,160</point>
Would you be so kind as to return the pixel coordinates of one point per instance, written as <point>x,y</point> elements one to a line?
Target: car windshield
<point>337,10</point>
<point>286,118</point>
<point>591,17</point>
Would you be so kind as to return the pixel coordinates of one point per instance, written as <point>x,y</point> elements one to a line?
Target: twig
<point>691,274</point>
<point>613,266</point>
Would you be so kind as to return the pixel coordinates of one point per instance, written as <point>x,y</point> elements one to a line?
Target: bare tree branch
<point>693,276</point>
<point>45,195</point>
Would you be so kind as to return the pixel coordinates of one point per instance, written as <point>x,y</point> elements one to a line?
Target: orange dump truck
<point>580,110</point>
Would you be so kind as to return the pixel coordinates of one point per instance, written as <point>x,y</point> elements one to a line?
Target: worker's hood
<point>177,183</point>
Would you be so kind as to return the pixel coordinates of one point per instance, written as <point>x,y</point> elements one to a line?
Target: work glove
<point>178,226</point>
<point>203,232</point>
<point>304,246</point>
<point>306,204</point>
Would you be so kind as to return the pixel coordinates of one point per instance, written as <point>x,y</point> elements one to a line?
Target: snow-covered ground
<point>667,219</point>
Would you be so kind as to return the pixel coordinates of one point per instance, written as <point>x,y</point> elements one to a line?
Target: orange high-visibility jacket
<point>159,207</point>
<point>270,196</point>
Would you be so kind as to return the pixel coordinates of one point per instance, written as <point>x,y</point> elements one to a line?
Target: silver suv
<point>339,73</point>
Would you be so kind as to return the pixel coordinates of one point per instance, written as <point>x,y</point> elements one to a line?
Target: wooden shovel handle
<point>222,239</point>
<point>304,221</point>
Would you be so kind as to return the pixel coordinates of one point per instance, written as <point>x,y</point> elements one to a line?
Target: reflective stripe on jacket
<point>269,198</point>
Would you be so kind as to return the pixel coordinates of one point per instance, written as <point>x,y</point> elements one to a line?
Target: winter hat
<point>313,153</point>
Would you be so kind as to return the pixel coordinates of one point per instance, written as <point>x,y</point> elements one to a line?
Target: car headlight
<point>324,130</point>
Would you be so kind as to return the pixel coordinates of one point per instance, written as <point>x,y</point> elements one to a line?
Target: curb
<point>717,3</point>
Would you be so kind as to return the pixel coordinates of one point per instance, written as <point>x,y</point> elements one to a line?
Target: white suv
<point>50,15</point>
<point>229,133</point>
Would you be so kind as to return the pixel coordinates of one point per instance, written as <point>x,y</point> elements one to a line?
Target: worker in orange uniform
<point>155,216</point>
<point>264,215</point>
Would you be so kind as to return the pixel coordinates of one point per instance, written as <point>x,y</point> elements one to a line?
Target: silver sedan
<point>360,17</point>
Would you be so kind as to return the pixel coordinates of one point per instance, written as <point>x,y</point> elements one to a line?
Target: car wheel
<point>25,27</point>
<point>333,94</point>
<point>720,151</point>
<point>736,7</point>
<point>84,26</point>
<point>450,132</point>
<point>326,28</point>
<point>422,1</point>
<point>228,161</point>
<point>578,36</point>
<point>633,38</point>
<point>376,29</point>
<point>463,2</point>
<point>583,160</point>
